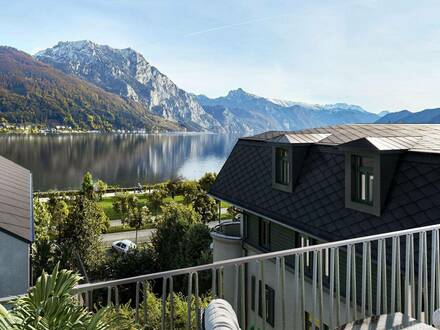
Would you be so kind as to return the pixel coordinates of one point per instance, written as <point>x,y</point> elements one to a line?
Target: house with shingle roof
<point>16,228</point>
<point>327,184</point>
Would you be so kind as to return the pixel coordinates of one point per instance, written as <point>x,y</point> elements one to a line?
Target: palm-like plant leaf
<point>51,305</point>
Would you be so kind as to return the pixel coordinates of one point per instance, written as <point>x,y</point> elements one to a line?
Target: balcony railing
<point>360,277</point>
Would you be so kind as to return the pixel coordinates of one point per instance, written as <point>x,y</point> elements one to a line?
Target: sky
<point>381,55</point>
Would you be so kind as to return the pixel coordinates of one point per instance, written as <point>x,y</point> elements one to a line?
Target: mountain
<point>428,116</point>
<point>33,92</point>
<point>126,73</point>
<point>251,113</point>
<point>394,117</point>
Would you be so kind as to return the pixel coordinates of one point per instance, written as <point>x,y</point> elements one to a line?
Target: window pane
<point>282,166</point>
<point>363,187</point>
<point>370,189</point>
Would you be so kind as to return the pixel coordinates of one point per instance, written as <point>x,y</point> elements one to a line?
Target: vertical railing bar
<point>393,275</point>
<point>379,277</point>
<point>348,285</point>
<point>303,291</point>
<point>86,300</point>
<point>297,296</point>
<point>354,286</point>
<point>413,278</point>
<point>384,278</point>
<point>257,292</point>
<point>364,280</point>
<point>399,277</point>
<point>420,280</point>
<point>243,297</point>
<point>314,293</point>
<point>332,288</point>
<point>171,284</point>
<point>338,288</point>
<point>433,274</point>
<point>197,300</point>
<point>283,292</point>
<point>137,302</point>
<point>263,294</point>
<point>237,292</point>
<point>117,298</point>
<point>407,275</point>
<point>369,281</point>
<point>425,279</point>
<point>164,302</point>
<point>145,305</point>
<point>437,264</point>
<point>279,290</point>
<point>221,282</point>
<point>320,289</point>
<point>214,282</point>
<point>189,301</point>
<point>109,295</point>
<point>91,300</point>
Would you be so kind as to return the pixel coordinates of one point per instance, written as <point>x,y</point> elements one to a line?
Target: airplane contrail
<point>223,27</point>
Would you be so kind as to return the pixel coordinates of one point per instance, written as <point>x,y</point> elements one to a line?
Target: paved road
<point>143,235</point>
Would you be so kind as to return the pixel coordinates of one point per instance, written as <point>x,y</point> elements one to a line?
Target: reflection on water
<point>59,162</point>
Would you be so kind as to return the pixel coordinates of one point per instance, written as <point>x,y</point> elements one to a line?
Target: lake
<point>60,161</point>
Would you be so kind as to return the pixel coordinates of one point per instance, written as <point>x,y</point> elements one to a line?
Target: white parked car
<point>123,246</point>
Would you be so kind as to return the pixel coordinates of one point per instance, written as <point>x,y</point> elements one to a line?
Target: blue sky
<point>382,55</point>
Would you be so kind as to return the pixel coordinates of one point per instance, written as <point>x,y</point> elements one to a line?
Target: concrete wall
<point>14,265</point>
<point>291,299</point>
<point>223,249</point>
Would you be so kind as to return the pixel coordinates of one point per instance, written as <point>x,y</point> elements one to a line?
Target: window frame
<point>288,158</point>
<point>373,207</point>
<point>357,171</point>
<point>264,237</point>
<point>282,165</point>
<point>270,300</point>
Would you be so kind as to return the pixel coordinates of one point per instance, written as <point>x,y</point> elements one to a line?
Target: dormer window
<point>363,181</point>
<point>362,171</point>
<point>282,166</point>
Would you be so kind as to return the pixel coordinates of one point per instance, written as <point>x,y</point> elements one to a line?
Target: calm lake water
<point>60,161</point>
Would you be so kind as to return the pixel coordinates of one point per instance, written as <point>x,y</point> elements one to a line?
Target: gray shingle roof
<point>317,203</point>
<point>414,137</point>
<point>15,200</point>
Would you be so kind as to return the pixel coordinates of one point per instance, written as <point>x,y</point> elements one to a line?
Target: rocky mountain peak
<point>127,73</point>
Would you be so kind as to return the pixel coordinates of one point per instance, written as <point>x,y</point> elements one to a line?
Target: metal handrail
<point>409,287</point>
<point>247,259</point>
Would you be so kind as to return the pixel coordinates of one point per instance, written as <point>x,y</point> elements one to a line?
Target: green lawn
<point>107,206</point>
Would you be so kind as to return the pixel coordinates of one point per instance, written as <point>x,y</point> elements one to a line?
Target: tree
<point>169,239</point>
<point>80,234</point>
<point>100,189</point>
<point>190,189</point>
<point>87,188</point>
<point>205,207</point>
<point>173,186</point>
<point>136,262</point>
<point>138,216</point>
<point>156,199</point>
<point>50,304</point>
<point>207,181</point>
<point>122,203</point>
<point>197,240</point>
<point>42,220</point>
